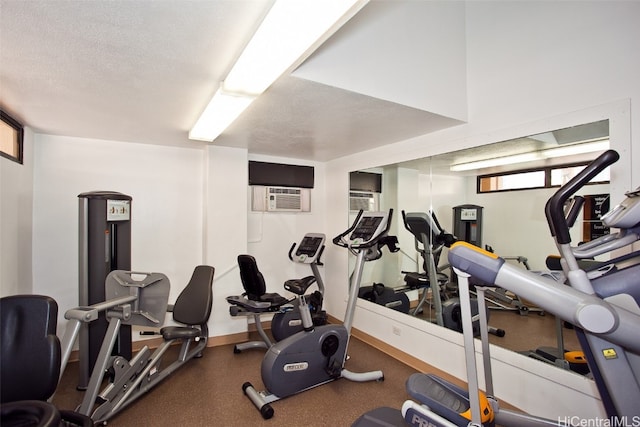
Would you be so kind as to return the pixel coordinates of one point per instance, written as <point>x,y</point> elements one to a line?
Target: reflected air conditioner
<point>363,200</point>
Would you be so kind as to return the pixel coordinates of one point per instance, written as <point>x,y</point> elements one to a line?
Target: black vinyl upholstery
<point>29,346</point>
<point>253,282</point>
<point>30,362</point>
<point>25,413</point>
<point>193,306</point>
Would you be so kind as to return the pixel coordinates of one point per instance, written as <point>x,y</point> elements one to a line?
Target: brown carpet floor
<point>208,392</point>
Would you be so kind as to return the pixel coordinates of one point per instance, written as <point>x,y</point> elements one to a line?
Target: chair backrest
<point>193,305</point>
<point>29,348</point>
<point>252,279</point>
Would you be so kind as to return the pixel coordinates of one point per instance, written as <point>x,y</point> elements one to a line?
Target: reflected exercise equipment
<point>430,239</point>
<point>604,306</point>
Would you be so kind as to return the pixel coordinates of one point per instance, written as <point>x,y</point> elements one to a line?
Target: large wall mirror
<point>504,212</point>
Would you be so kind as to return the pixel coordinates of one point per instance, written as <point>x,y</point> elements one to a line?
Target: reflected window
<point>515,181</point>
<point>561,176</point>
<point>530,179</point>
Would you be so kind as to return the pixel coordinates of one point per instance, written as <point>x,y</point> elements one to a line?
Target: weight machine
<point>139,299</point>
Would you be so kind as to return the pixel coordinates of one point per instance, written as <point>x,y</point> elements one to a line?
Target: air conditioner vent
<point>366,201</point>
<point>280,199</point>
<point>284,199</point>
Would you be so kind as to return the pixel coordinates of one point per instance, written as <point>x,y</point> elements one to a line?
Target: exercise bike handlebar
<point>338,239</point>
<point>554,209</point>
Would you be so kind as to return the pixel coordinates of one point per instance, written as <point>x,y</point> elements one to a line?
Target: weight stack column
<point>104,246</point>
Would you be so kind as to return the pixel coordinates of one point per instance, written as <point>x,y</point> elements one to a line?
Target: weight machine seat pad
<point>179,332</point>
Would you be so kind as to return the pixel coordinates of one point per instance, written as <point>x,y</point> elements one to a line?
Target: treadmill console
<point>370,226</point>
<point>310,248</point>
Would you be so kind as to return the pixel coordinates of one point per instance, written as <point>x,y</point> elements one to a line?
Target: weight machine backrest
<point>193,305</point>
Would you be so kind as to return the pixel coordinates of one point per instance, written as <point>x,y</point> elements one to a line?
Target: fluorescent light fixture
<point>222,110</point>
<point>570,150</point>
<point>288,34</point>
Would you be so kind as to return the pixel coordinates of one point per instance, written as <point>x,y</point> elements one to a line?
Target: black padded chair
<point>255,301</point>
<point>30,363</point>
<point>254,284</point>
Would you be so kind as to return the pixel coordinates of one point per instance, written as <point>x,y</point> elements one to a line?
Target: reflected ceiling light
<point>569,150</point>
<point>288,34</point>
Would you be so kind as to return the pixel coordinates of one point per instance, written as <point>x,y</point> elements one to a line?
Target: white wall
<point>419,63</point>
<point>16,207</point>
<point>271,234</point>
<point>189,207</point>
<point>166,184</point>
<point>531,67</point>
<point>225,230</point>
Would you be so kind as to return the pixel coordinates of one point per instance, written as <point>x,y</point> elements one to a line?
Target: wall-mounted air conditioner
<point>364,200</point>
<point>280,199</point>
<point>284,199</point>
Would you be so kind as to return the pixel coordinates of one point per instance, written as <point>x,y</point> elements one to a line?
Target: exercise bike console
<point>309,250</point>
<point>367,229</point>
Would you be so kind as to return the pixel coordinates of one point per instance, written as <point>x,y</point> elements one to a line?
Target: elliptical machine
<point>430,240</point>
<point>317,355</point>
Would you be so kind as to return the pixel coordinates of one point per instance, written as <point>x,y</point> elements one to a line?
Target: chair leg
<point>265,343</point>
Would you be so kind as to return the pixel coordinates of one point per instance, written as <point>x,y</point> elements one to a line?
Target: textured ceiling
<point>142,71</point>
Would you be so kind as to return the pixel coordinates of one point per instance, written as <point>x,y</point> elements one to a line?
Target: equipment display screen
<point>309,246</point>
<point>366,228</point>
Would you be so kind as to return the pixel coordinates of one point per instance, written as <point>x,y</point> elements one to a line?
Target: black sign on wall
<point>282,175</point>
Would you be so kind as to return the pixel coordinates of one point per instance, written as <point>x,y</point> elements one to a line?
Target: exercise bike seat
<point>255,299</point>
<point>299,286</point>
<point>415,280</point>
<point>272,298</point>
